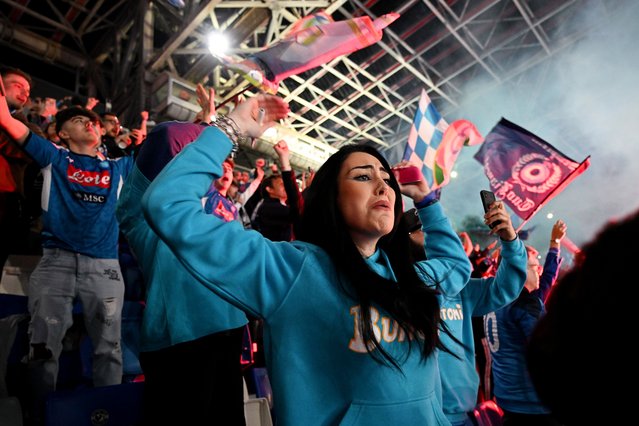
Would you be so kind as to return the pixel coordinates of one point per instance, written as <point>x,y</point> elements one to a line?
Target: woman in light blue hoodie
<point>460,381</point>
<point>350,330</point>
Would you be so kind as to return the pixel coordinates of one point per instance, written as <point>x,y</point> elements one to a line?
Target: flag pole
<point>580,169</point>
<point>239,90</point>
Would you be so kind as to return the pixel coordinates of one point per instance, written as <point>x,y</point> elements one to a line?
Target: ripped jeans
<point>59,278</point>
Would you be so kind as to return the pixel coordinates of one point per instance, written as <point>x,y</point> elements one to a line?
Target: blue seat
<point>262,384</point>
<point>11,304</point>
<point>14,313</point>
<point>14,343</point>
<point>108,405</point>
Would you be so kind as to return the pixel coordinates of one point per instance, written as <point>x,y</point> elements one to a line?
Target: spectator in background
<point>575,369</point>
<point>79,258</point>
<point>479,296</point>
<point>216,200</point>
<point>17,171</point>
<point>111,127</point>
<point>508,331</point>
<point>52,135</point>
<point>119,141</point>
<point>241,198</point>
<point>42,111</point>
<point>352,329</point>
<point>275,216</point>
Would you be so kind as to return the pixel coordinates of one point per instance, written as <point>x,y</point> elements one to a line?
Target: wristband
<point>429,199</point>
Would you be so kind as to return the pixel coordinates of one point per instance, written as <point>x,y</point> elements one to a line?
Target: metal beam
<point>190,24</point>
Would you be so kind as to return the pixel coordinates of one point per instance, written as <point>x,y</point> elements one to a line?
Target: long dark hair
<point>409,301</point>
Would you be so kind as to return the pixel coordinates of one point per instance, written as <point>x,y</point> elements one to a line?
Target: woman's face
<point>365,199</point>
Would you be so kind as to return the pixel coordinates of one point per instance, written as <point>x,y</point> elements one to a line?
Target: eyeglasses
<point>113,121</point>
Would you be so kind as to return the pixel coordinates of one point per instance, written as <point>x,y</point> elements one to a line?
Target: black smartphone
<point>487,198</point>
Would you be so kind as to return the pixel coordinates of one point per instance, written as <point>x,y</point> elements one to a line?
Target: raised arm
<point>254,185</point>
<point>553,260</point>
<point>447,263</point>
<point>213,250</point>
<point>288,178</point>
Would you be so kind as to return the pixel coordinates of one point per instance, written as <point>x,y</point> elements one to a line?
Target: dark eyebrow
<point>369,167</point>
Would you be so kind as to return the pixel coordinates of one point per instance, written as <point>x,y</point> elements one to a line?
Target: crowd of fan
<point>38,217</point>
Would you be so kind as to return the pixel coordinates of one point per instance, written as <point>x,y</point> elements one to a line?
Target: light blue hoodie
<point>320,372</point>
<point>175,311</point>
<point>480,296</point>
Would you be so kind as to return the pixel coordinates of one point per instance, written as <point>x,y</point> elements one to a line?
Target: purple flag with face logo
<point>524,170</point>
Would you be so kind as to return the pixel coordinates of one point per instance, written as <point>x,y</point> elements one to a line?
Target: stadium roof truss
<point>369,96</point>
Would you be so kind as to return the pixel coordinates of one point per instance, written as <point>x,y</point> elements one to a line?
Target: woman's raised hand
<point>258,113</point>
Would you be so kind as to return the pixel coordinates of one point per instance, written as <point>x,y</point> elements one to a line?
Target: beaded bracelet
<point>230,128</point>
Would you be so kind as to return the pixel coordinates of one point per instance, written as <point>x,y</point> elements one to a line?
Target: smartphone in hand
<point>487,198</point>
<point>2,91</point>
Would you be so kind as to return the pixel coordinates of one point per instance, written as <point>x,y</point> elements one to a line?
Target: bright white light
<point>453,174</point>
<point>550,216</point>
<point>218,43</point>
<point>270,133</point>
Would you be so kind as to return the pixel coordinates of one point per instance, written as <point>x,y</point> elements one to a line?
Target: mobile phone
<point>409,174</point>
<point>2,91</point>
<point>487,198</point>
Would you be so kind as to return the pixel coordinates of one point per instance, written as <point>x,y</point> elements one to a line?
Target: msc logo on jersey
<point>89,198</point>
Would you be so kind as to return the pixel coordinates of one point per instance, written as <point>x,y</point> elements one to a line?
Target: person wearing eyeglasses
<point>111,129</point>
<point>508,331</point>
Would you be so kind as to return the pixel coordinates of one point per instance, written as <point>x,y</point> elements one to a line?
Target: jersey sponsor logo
<point>90,198</point>
<point>100,179</point>
<point>384,328</point>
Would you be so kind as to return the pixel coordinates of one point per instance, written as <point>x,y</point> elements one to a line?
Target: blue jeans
<point>59,278</point>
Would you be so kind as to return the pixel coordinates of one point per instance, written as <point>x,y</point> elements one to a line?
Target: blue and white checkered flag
<point>436,144</point>
<point>426,134</point>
